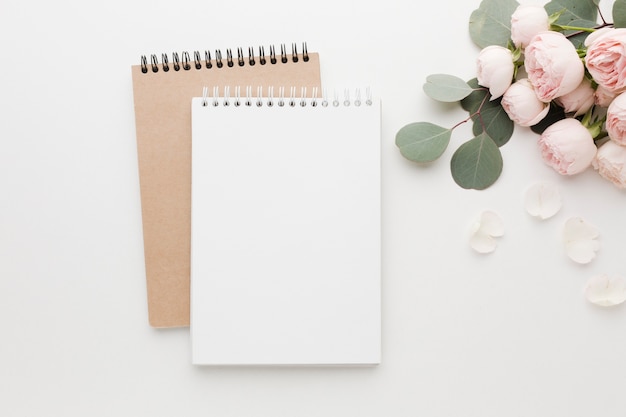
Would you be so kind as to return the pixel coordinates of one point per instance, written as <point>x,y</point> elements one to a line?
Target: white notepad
<point>286,243</point>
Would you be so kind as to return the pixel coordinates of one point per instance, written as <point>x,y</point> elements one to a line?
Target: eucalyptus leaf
<point>477,163</point>
<point>446,88</point>
<point>619,13</point>
<point>423,141</point>
<point>573,10</point>
<point>490,24</point>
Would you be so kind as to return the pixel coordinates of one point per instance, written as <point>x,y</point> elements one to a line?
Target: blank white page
<point>286,237</point>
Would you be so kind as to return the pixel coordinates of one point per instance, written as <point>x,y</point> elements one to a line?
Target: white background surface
<point>508,334</point>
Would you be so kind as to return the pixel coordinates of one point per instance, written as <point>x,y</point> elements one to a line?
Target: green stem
<point>580,29</point>
<point>601,136</point>
<point>593,125</point>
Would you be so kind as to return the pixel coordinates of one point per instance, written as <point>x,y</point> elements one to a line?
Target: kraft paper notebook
<point>162,88</point>
<point>285,229</point>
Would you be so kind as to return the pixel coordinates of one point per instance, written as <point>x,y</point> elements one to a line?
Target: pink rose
<point>597,34</point>
<point>522,105</point>
<point>610,161</point>
<point>494,69</point>
<point>603,97</point>
<point>527,21</point>
<point>580,100</point>
<point>606,58</point>
<point>616,119</point>
<point>567,146</point>
<point>553,66</point>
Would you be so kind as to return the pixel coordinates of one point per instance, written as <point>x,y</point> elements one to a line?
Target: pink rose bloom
<point>616,119</point>
<point>527,21</point>
<point>567,146</point>
<point>494,69</point>
<point>606,58</point>
<point>610,161</point>
<point>603,97</point>
<point>553,66</point>
<point>522,105</point>
<point>578,101</point>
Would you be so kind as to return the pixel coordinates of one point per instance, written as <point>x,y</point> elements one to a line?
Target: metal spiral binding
<point>293,100</point>
<point>183,61</point>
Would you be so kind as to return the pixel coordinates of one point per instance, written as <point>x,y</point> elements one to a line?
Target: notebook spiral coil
<point>185,62</point>
<point>282,100</point>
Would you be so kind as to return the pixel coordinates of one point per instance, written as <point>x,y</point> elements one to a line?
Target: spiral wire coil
<point>282,100</point>
<point>184,60</point>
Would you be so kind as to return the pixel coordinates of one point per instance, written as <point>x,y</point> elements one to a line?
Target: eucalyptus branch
<point>476,113</point>
<point>600,14</point>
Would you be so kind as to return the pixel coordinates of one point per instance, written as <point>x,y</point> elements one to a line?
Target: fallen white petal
<point>491,223</point>
<point>605,290</point>
<point>542,200</point>
<point>484,230</point>
<point>580,240</point>
<point>483,243</point>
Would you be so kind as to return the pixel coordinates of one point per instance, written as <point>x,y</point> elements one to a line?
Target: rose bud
<point>603,97</point>
<point>578,101</point>
<point>567,146</point>
<point>495,69</point>
<point>553,66</point>
<point>527,21</point>
<point>522,105</point>
<point>610,161</point>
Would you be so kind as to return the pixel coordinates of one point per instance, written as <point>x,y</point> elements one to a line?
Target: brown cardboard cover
<point>163,123</point>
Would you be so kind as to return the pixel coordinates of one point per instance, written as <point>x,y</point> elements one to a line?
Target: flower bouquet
<point>558,68</point>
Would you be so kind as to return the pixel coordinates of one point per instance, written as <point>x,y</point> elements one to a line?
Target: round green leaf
<point>490,24</point>
<point>619,13</point>
<point>495,122</point>
<point>572,10</point>
<point>422,141</point>
<point>477,164</point>
<point>446,88</point>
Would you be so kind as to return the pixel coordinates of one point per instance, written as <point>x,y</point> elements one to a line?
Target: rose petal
<point>491,223</point>
<point>606,291</point>
<point>484,230</point>
<point>542,200</point>
<point>482,243</point>
<point>580,240</point>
